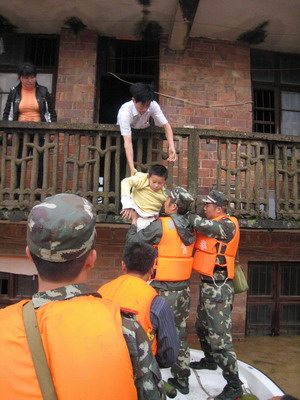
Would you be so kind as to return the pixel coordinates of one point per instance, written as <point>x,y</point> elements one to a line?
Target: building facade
<point>242,105</point>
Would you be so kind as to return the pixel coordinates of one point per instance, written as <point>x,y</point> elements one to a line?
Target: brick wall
<point>255,245</point>
<point>214,76</point>
<point>76,81</point>
<point>207,73</point>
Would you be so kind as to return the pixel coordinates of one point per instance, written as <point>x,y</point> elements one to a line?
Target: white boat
<point>205,384</point>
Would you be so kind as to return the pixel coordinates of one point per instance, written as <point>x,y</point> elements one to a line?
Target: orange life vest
<point>174,261</point>
<point>85,349</point>
<point>207,250</point>
<point>133,293</point>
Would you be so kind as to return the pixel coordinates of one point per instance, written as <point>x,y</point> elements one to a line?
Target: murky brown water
<point>277,357</point>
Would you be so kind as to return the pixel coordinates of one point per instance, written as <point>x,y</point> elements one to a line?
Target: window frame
<point>276,86</point>
<point>13,68</point>
<point>12,288</point>
<point>275,300</point>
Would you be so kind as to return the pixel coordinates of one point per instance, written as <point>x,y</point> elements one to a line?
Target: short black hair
<point>142,92</point>
<point>158,170</point>
<point>59,271</point>
<point>139,257</point>
<point>26,69</point>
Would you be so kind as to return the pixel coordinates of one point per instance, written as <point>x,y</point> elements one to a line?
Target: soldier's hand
<point>134,217</point>
<point>126,213</point>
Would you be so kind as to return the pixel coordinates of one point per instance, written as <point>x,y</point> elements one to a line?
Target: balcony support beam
<point>182,25</point>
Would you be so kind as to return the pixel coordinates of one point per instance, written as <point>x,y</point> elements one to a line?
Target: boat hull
<point>206,384</point>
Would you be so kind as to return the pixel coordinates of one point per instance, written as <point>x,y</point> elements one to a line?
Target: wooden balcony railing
<point>261,173</point>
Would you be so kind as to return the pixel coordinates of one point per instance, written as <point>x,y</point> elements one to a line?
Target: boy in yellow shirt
<point>145,194</point>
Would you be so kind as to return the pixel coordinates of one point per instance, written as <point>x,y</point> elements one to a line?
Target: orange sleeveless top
<point>29,109</point>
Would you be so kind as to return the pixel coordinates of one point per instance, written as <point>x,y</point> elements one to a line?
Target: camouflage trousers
<point>179,301</point>
<point>213,327</point>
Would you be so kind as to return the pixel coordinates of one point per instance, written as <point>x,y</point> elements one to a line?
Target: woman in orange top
<point>29,101</point>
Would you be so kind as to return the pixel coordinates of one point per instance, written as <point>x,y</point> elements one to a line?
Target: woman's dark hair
<point>26,69</point>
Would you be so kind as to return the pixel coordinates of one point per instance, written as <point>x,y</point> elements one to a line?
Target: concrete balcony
<point>260,172</point>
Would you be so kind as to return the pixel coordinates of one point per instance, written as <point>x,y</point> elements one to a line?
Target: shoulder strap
<point>38,353</point>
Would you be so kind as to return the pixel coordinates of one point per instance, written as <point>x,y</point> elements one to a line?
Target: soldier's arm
<point>147,376</point>
<point>221,230</point>
<point>151,235</point>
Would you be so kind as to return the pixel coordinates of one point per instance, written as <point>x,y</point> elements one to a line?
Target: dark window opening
<point>132,61</point>
<point>40,50</point>
<point>14,287</point>
<point>3,283</point>
<point>264,112</point>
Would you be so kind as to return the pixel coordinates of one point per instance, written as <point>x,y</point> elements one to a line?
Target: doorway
<point>130,60</point>
<point>121,62</point>
<point>273,303</point>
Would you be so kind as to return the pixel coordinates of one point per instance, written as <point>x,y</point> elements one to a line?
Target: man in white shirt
<point>136,114</point>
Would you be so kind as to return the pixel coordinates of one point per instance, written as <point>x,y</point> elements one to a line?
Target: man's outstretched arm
<point>129,153</point>
<point>170,138</point>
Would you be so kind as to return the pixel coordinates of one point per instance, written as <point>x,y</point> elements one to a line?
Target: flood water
<point>277,357</point>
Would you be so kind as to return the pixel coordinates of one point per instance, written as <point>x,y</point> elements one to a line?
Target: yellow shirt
<point>145,198</point>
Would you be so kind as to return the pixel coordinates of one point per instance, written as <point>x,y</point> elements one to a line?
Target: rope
<point>188,101</point>
<point>202,387</point>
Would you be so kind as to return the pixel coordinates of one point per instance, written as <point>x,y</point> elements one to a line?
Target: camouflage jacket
<point>146,371</point>
<point>222,230</point>
<point>153,234</point>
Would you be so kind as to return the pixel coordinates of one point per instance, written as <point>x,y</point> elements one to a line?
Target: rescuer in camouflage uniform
<point>213,321</point>
<point>60,229</point>
<point>176,293</point>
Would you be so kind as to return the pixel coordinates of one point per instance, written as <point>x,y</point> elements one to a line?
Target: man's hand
<point>172,155</point>
<point>133,171</point>
<point>129,154</point>
<point>170,139</point>
<point>126,213</point>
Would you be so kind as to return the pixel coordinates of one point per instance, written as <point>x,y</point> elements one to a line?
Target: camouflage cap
<point>61,228</point>
<point>215,197</point>
<point>183,199</point>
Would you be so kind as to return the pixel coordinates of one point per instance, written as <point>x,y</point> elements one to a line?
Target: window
<point>130,60</point>
<point>14,287</point>
<point>276,92</point>
<point>40,50</point>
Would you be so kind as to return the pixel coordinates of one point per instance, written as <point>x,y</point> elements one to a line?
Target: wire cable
<point>189,101</point>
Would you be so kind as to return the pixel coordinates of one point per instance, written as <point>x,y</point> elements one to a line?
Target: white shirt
<point>129,117</point>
